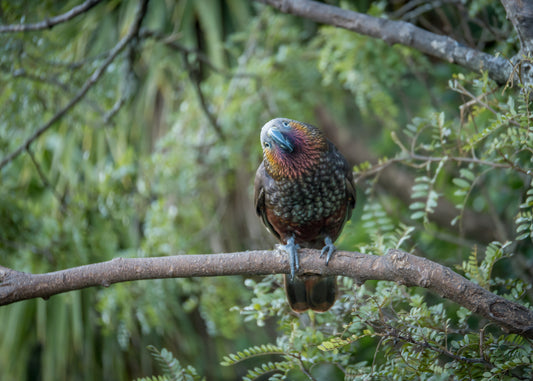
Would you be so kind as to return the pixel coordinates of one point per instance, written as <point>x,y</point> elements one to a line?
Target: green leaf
<point>418,215</point>
<point>467,174</point>
<point>417,205</point>
<point>461,183</point>
<point>265,349</point>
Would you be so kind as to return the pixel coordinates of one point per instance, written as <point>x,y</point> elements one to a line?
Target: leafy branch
<point>93,79</point>
<point>390,175</point>
<point>193,61</point>
<point>51,22</point>
<point>396,265</point>
<point>399,32</point>
<point>384,330</point>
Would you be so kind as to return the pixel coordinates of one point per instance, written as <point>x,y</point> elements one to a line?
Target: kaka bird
<point>304,194</point>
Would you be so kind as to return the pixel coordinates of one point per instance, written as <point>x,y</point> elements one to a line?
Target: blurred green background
<point>158,159</point>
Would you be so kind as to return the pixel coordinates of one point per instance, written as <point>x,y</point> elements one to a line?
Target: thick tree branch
<point>399,32</point>
<point>51,22</point>
<point>397,266</point>
<point>97,74</point>
<point>520,13</point>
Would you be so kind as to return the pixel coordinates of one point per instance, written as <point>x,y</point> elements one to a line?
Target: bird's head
<point>291,148</point>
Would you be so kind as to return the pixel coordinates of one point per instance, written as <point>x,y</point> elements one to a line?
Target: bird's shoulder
<point>262,182</point>
<point>346,168</point>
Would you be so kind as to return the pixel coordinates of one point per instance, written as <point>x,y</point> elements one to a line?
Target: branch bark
<point>51,22</point>
<point>520,13</point>
<point>399,32</point>
<point>397,266</point>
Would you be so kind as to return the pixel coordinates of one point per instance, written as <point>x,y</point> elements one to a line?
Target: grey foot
<point>292,249</point>
<point>329,248</point>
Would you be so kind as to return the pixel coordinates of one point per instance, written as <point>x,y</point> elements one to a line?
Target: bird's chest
<point>314,196</point>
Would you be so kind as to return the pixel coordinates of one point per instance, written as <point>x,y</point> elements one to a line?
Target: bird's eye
<point>266,144</point>
<point>286,124</point>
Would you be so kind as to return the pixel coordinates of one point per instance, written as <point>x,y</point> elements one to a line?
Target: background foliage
<point>159,159</point>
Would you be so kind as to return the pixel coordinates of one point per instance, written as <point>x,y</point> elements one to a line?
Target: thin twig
<point>412,156</point>
<point>460,160</point>
<point>51,22</point>
<point>194,76</point>
<point>478,100</point>
<point>44,179</point>
<point>304,369</point>
<point>73,65</point>
<point>193,72</point>
<point>134,29</point>
<point>391,332</point>
<point>22,73</point>
<point>200,58</point>
<point>115,109</point>
<point>170,41</point>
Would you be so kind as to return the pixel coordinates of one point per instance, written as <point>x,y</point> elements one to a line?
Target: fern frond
<point>259,350</point>
<point>269,367</point>
<point>424,189</point>
<point>481,272</point>
<point>471,268</point>
<point>402,234</point>
<point>494,252</point>
<point>464,183</point>
<point>154,378</point>
<point>165,359</point>
<point>375,218</point>
<point>524,218</point>
<point>171,367</point>
<point>338,342</point>
<point>514,339</point>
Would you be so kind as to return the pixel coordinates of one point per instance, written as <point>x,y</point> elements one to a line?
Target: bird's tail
<point>314,292</point>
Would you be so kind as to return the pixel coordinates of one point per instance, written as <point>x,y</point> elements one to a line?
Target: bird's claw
<point>292,249</point>
<point>329,248</point>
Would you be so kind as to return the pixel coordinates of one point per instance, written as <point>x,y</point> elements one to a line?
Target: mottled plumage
<point>304,193</point>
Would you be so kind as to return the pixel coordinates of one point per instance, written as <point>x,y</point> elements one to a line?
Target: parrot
<point>304,193</point>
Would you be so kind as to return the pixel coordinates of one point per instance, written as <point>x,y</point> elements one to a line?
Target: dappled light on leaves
<point>130,130</point>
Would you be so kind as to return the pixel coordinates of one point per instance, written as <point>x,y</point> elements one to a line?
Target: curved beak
<point>281,140</point>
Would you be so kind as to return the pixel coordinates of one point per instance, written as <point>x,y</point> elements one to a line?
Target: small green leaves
<point>420,190</point>
<point>424,189</point>
<point>481,272</point>
<point>375,218</point>
<point>262,350</point>
<point>281,367</point>
<point>464,182</point>
<point>464,185</point>
<point>269,367</point>
<point>524,225</point>
<point>171,367</point>
<point>154,378</point>
<point>337,342</point>
<point>403,234</point>
<point>524,219</point>
<point>461,183</point>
